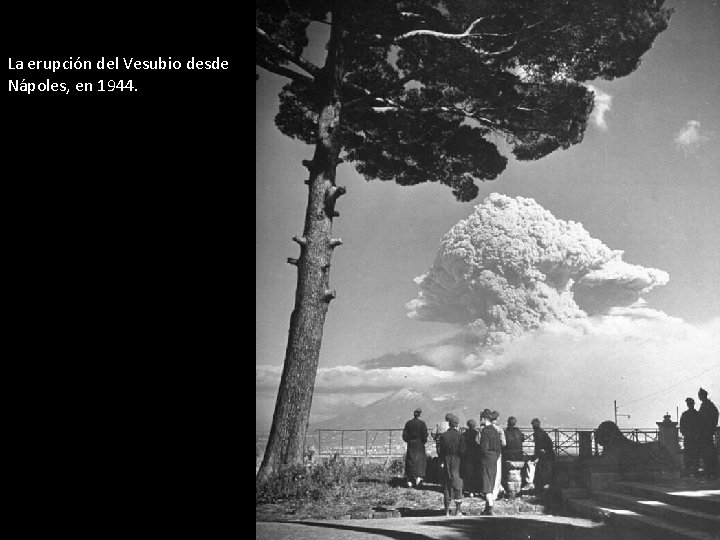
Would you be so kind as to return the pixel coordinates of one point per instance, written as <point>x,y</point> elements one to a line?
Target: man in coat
<point>544,453</point>
<point>415,434</point>
<point>514,438</point>
<point>450,448</point>
<point>490,451</point>
<point>470,463</point>
<point>708,422</point>
<point>690,429</point>
<point>513,449</point>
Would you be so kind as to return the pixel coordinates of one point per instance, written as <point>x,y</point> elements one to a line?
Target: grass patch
<point>331,479</point>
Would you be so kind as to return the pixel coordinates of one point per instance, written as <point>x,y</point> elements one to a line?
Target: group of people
<point>471,460</point>
<point>698,431</point>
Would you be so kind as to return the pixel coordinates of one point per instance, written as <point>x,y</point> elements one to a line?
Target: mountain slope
<point>390,412</point>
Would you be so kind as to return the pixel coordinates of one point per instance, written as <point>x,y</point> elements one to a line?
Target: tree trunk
<point>292,407</point>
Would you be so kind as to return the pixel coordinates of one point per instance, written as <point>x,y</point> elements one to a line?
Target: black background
<point>124,215</point>
<point>125,201</point>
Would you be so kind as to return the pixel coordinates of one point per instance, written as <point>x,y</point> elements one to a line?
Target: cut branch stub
<point>329,295</point>
<point>312,167</point>
<point>309,165</point>
<point>290,260</point>
<point>335,242</point>
<point>300,240</point>
<point>331,196</point>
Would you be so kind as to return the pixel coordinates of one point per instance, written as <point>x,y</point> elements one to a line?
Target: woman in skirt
<point>490,450</point>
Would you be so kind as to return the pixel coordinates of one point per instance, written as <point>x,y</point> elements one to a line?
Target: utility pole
<point>616,411</point>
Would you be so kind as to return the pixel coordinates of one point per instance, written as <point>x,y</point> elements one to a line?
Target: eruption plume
<point>512,266</point>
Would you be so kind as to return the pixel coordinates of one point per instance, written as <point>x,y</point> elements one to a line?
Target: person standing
<point>544,453</point>
<point>490,450</point>
<point>513,449</point>
<point>470,462</point>
<point>450,448</point>
<point>690,429</point>
<point>514,439</point>
<point>498,476</point>
<point>415,434</point>
<point>708,422</point>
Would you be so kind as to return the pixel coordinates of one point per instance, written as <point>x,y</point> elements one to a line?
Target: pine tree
<point>410,92</point>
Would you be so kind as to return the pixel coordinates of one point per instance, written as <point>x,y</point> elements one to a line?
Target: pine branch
<point>283,71</point>
<point>298,60</point>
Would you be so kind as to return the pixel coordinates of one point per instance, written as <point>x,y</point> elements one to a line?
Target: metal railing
<point>388,442</point>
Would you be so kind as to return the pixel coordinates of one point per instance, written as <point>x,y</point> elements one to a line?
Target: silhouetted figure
<point>470,463</point>
<point>514,438</point>
<point>544,454</point>
<point>708,422</point>
<point>490,452</point>
<point>415,434</point>
<point>450,448</point>
<point>690,429</point>
<point>512,452</point>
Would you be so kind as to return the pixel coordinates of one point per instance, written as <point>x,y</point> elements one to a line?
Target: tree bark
<point>292,407</point>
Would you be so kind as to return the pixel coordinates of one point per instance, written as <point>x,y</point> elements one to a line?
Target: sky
<point>644,181</point>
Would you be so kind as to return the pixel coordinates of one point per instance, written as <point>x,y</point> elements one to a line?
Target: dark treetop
<point>426,83</point>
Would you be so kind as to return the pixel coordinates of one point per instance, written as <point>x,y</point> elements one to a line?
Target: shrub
<point>287,483</point>
<point>332,478</point>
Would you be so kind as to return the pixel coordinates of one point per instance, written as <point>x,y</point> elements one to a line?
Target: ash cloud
<point>511,266</point>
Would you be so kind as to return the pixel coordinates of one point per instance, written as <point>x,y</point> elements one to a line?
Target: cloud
<point>690,137</point>
<point>512,266</point>
<point>400,359</point>
<point>602,104</point>
<point>545,321</point>
<point>567,373</point>
<point>616,283</point>
<point>354,379</point>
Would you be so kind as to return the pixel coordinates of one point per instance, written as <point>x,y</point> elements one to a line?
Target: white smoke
<point>602,104</point>
<point>512,266</point>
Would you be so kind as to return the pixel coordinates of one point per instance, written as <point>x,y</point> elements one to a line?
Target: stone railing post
<point>668,437</point>
<point>585,444</point>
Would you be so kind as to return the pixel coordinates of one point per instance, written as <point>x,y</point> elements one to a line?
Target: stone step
<point>670,513</point>
<point>705,500</point>
<point>629,525</point>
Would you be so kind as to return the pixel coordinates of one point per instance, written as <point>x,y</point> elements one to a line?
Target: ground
<point>383,499</point>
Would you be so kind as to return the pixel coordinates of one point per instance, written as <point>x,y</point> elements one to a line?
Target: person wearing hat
<point>706,445</point>
<point>544,454</point>
<point>470,462</point>
<point>513,449</point>
<point>690,429</point>
<point>450,448</point>
<point>415,434</point>
<point>490,451</point>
